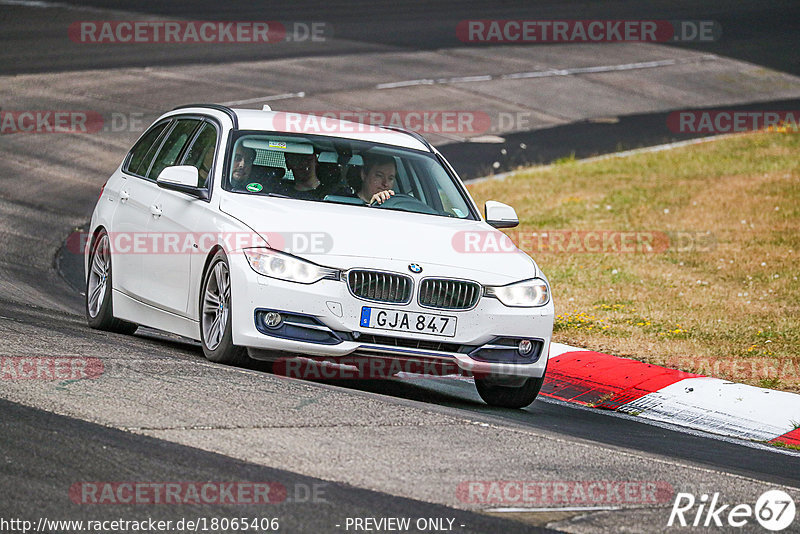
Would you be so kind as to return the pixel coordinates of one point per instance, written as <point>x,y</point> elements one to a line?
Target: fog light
<point>525,347</point>
<point>273,319</point>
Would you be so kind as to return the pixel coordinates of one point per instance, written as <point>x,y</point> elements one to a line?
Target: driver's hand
<point>381,197</point>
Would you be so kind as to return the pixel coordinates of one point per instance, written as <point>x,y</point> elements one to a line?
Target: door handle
<point>155,210</point>
<point>124,195</point>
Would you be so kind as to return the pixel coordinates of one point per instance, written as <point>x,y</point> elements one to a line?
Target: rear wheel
<point>215,315</point>
<point>495,394</point>
<point>99,305</point>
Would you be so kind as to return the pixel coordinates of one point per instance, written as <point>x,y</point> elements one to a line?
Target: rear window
<point>143,151</point>
<point>173,146</point>
<point>201,154</point>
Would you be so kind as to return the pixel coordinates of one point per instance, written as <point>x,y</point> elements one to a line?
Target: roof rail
<point>219,107</point>
<point>412,133</point>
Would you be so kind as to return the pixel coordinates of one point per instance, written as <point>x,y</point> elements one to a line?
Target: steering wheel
<point>405,202</point>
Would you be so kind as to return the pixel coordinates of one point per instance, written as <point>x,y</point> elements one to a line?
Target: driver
<point>377,178</point>
<point>242,167</point>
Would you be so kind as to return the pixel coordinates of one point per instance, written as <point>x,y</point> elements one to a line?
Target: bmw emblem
<point>415,268</point>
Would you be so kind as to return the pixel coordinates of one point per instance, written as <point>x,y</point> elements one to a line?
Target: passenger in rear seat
<point>306,184</point>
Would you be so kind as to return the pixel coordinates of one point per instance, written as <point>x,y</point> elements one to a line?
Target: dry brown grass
<point>722,300</point>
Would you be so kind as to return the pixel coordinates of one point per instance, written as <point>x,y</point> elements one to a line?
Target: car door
<point>130,219</point>
<point>178,224</point>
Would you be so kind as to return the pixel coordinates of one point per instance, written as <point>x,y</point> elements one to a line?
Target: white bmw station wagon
<point>264,239</point>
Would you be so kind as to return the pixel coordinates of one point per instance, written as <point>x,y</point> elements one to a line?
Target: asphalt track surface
<point>764,33</point>
<point>161,413</point>
<point>62,447</point>
<point>579,140</point>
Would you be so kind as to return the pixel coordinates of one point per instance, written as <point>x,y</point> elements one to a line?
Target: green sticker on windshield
<point>254,187</point>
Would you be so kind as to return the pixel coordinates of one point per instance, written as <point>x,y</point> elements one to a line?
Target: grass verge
<point>686,258</point>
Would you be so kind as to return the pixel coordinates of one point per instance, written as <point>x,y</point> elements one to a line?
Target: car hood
<point>345,236</point>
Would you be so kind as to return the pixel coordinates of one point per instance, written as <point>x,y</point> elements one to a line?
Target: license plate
<point>402,321</point>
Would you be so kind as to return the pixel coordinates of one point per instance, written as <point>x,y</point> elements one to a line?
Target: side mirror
<point>182,178</point>
<point>500,215</point>
<point>185,175</point>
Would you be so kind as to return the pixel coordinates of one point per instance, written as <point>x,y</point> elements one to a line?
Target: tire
<point>99,306</point>
<point>509,396</point>
<point>215,315</point>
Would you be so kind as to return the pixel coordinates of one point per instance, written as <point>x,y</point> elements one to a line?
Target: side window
<point>143,151</point>
<point>440,190</point>
<point>171,149</point>
<point>201,154</point>
<point>409,180</point>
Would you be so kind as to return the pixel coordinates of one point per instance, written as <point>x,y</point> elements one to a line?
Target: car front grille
<point>380,286</point>
<point>449,294</point>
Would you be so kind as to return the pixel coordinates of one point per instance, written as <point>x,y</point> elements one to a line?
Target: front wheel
<point>509,396</point>
<point>215,315</point>
<point>99,306</point>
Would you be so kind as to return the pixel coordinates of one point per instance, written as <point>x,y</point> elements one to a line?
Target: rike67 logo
<point>774,510</point>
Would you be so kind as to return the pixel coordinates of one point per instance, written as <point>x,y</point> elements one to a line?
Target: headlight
<point>525,294</point>
<point>286,267</point>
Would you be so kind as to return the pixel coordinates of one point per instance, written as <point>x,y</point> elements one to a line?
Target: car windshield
<point>343,171</point>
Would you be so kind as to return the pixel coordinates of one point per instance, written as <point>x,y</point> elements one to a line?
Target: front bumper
<point>323,320</point>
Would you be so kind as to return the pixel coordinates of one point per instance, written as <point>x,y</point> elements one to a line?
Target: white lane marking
<point>551,72</point>
<point>488,139</point>
<point>32,3</point>
<point>406,83</point>
<point>283,96</point>
<point>465,79</point>
<point>565,509</point>
<point>72,7</point>
<point>598,68</point>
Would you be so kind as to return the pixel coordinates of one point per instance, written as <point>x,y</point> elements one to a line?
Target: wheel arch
<point>92,240</point>
<point>199,295</point>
